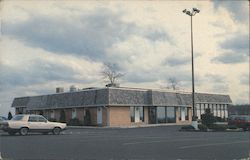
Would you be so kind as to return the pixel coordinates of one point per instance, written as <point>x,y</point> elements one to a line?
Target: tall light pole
<point>191,14</point>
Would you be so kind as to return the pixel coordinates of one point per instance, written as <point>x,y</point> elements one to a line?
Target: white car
<point>24,123</point>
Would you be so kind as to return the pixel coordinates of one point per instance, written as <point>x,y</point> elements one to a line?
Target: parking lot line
<point>162,141</point>
<point>213,144</point>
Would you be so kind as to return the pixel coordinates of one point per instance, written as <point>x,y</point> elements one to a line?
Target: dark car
<point>240,121</point>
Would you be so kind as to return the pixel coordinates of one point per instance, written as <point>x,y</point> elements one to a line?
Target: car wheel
<point>56,130</point>
<point>23,131</point>
<point>11,133</point>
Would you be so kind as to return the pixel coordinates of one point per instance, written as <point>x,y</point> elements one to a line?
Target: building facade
<point>122,106</point>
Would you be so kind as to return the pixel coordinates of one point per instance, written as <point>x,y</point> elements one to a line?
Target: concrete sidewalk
<point>132,126</point>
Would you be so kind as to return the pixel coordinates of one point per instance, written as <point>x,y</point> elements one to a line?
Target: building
<point>116,106</point>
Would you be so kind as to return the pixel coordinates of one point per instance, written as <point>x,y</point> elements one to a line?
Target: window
<point>132,114</point>
<point>74,113</point>
<point>215,110</point>
<point>182,113</point>
<point>198,107</point>
<point>226,112</point>
<point>161,114</point>
<point>42,119</point>
<point>17,118</point>
<point>141,110</point>
<point>186,113</point>
<point>202,109</point>
<point>33,119</point>
<point>222,111</point>
<point>52,114</point>
<point>137,114</point>
<point>219,110</point>
<point>171,118</point>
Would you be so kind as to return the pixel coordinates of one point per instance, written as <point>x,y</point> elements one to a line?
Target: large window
<point>141,110</point>
<point>52,114</point>
<point>132,114</point>
<point>73,113</point>
<point>171,118</point>
<point>215,110</point>
<point>137,114</point>
<point>222,111</point>
<point>17,118</point>
<point>226,112</point>
<point>198,108</point>
<point>202,109</point>
<point>161,114</point>
<point>186,113</point>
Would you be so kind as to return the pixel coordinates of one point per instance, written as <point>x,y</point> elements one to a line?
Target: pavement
<point>143,143</point>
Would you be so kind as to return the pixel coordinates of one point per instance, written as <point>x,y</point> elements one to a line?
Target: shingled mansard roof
<point>116,97</point>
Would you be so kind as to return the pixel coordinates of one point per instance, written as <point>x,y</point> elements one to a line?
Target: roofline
<point>125,88</point>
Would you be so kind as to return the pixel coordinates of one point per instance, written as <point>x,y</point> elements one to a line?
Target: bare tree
<point>111,73</point>
<point>173,83</point>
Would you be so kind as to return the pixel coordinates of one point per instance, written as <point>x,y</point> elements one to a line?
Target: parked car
<point>3,118</point>
<point>240,121</point>
<point>24,123</point>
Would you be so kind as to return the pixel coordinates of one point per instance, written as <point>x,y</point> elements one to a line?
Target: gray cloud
<point>215,78</point>
<point>238,43</point>
<point>235,8</point>
<point>230,57</point>
<point>244,79</point>
<point>237,49</point>
<point>88,35</point>
<point>174,61</point>
<point>158,35</point>
<point>36,73</point>
<point>220,88</point>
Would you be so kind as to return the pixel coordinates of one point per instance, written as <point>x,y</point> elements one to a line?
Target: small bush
<point>74,122</point>
<point>217,127</point>
<point>207,118</point>
<point>202,127</point>
<point>187,128</point>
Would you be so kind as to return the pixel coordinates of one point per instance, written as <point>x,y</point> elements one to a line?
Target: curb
<point>124,127</point>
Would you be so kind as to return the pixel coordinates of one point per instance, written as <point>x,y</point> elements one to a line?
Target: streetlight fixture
<point>191,14</point>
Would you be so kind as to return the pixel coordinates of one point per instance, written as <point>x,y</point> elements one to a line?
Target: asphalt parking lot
<point>153,143</point>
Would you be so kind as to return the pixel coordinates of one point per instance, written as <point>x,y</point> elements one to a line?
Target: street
<point>151,143</point>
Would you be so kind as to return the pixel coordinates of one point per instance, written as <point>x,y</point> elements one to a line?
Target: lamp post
<point>191,14</point>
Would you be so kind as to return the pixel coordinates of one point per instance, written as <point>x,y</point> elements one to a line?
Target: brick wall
<point>80,114</point>
<point>93,115</point>
<point>68,114</point>
<point>119,116</point>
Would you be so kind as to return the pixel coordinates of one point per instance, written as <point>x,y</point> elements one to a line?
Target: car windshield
<point>3,118</point>
<point>17,118</point>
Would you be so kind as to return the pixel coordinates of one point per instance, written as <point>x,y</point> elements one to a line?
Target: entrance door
<point>99,115</point>
<point>152,115</point>
<point>182,114</point>
<point>137,114</point>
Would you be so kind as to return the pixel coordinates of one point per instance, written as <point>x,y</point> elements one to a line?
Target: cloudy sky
<point>51,44</point>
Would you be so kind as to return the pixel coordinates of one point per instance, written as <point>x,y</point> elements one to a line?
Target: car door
<point>33,123</point>
<point>43,123</point>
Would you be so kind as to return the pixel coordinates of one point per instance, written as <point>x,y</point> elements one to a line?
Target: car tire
<point>11,133</point>
<point>23,131</point>
<point>56,131</point>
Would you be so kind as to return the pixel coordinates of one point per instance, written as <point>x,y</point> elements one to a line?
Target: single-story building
<point>117,106</point>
